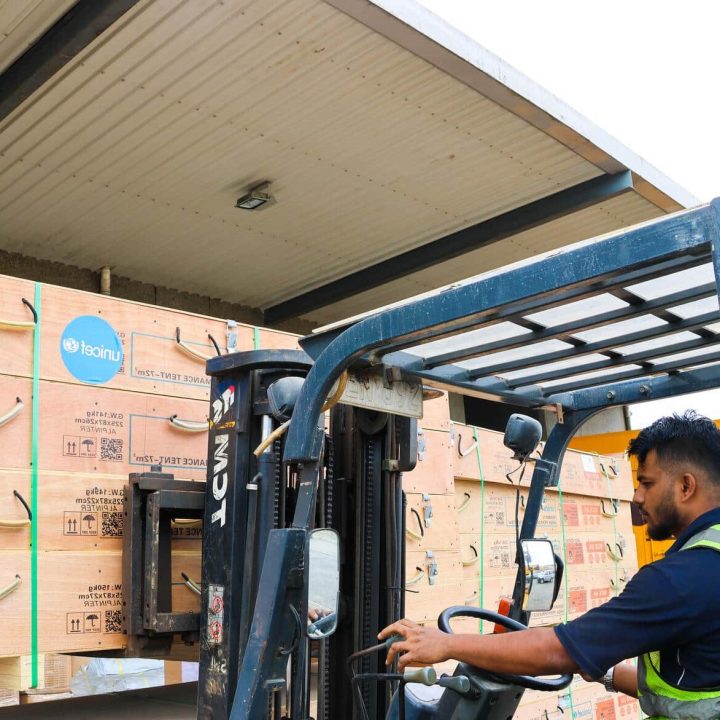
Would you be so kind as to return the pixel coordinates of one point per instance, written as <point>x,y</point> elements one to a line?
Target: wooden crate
<point>428,600</point>
<point>493,507</point>
<point>79,600</point>
<point>15,434</point>
<point>15,607</point>
<point>88,429</point>
<point>153,360</point>
<point>433,472</point>
<point>442,532</point>
<point>580,473</point>
<point>584,473</point>
<point>436,414</point>
<point>16,346</point>
<point>490,458</point>
<point>77,512</point>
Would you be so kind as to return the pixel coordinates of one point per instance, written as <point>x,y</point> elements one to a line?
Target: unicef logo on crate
<point>91,349</point>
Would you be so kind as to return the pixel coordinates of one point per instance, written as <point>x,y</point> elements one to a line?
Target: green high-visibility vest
<point>659,699</point>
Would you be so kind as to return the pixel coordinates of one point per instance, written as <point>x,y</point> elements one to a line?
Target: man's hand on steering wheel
<point>421,645</point>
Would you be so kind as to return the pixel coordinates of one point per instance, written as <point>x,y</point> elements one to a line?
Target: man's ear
<point>688,486</point>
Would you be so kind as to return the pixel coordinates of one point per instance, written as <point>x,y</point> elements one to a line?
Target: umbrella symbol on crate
<point>89,519</point>
<point>92,618</point>
<point>87,443</point>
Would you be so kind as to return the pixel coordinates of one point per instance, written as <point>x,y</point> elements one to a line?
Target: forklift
<point>303,510</point>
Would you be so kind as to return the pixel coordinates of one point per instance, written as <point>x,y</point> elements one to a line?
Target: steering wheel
<point>526,681</point>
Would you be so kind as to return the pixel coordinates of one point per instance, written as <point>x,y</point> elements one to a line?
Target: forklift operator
<point>667,616</point>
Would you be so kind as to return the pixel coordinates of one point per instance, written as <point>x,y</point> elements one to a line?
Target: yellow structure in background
<point>616,443</point>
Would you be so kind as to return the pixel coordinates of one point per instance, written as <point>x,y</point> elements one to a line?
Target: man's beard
<point>666,520</point>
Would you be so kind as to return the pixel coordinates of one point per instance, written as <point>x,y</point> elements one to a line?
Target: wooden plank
<point>273,339</point>
<point>54,671</point>
<point>30,697</point>
<point>9,697</point>
<point>79,600</point>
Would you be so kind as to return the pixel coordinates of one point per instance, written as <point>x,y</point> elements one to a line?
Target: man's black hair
<point>687,438</point>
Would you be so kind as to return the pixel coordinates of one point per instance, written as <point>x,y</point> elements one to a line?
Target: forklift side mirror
<point>541,575</point>
<point>323,582</point>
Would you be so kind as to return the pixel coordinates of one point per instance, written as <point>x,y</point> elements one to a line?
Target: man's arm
<point>536,651</point>
<point>625,679</point>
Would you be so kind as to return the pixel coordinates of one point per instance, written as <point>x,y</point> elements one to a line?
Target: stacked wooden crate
<point>466,498</point>
<point>89,436</point>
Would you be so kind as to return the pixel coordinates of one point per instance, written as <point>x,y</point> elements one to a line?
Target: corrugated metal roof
<point>134,154</point>
<point>22,22</point>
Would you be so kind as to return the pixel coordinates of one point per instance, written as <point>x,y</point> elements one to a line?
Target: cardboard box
<point>79,600</point>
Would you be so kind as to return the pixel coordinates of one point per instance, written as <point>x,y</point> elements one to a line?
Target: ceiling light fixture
<point>255,198</point>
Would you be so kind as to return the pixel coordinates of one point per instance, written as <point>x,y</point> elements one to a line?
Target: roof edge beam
<point>538,212</point>
<point>71,34</point>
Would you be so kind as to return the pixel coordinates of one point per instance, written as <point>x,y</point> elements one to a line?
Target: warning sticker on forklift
<point>216,614</point>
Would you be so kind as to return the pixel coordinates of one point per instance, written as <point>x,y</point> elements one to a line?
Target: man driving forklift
<point>666,616</point>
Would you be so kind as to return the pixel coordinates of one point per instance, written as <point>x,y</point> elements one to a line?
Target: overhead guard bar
<point>649,251</point>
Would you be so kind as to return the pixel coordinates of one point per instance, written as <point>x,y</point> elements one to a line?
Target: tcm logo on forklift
<point>220,409</point>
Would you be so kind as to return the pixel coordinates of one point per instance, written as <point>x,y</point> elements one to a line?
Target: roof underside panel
<point>133,155</point>
<point>624,210</point>
<point>22,22</point>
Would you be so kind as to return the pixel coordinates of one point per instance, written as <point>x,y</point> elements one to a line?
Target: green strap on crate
<point>34,495</point>
<point>567,576</point>
<point>482,519</point>
<point>256,338</point>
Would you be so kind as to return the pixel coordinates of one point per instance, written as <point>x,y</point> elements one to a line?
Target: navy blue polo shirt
<point>671,605</point>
